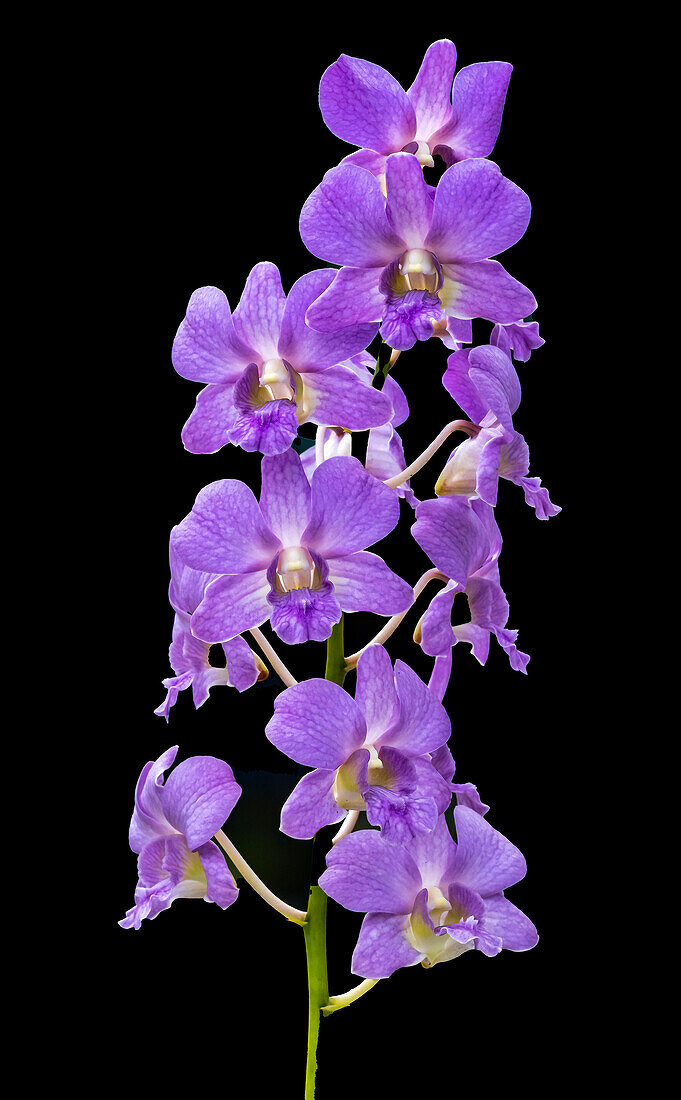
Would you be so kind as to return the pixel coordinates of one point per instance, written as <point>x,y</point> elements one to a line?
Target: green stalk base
<point>317,979</point>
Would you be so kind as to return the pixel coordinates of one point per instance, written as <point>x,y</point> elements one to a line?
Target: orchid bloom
<point>171,829</point>
<point>484,383</point>
<point>463,541</point>
<point>298,557</point>
<point>414,260</point>
<point>370,753</point>
<point>430,900</point>
<point>266,370</point>
<point>189,657</point>
<point>364,105</point>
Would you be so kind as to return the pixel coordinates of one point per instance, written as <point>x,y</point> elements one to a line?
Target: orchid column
<point>258,569</point>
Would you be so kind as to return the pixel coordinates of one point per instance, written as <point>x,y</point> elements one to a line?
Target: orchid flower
<point>189,656</point>
<point>463,541</point>
<point>364,105</point>
<point>484,383</point>
<point>267,371</point>
<point>171,829</point>
<point>370,753</point>
<point>431,899</point>
<point>413,260</point>
<point>297,558</point>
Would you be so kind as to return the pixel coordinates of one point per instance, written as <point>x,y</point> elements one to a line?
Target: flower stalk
<point>317,979</point>
<point>315,918</point>
<point>352,995</point>
<point>249,875</point>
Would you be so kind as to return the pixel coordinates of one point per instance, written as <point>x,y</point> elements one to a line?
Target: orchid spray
<point>412,262</point>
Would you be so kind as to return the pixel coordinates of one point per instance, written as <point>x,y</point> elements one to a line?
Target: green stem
<point>317,979</point>
<point>336,668</point>
<point>315,918</point>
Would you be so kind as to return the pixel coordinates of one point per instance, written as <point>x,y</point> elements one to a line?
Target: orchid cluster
<point>407,260</point>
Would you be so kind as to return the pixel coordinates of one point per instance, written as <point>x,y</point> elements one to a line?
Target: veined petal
<point>198,797</point>
<point>503,919</point>
<point>285,497</point>
<point>220,886</point>
<point>232,604</point>
<point>148,818</point>
<point>307,349</point>
<point>344,220</point>
<point>207,429</point>
<point>453,537</point>
<point>485,860</point>
<point>364,105</point>
<point>477,213</point>
<point>363,582</point>
<point>433,854</point>
<point>430,94</point>
<point>207,347</point>
<point>337,396</point>
<point>366,873</point>
<point>316,723</point>
<point>259,314</point>
<point>354,297</point>
<point>241,664</point>
<point>350,509</point>
<point>423,725</point>
<point>375,694</point>
<point>478,99</point>
<point>408,207</point>
<point>311,806</point>
<point>484,289</point>
<point>225,531</point>
<point>383,947</point>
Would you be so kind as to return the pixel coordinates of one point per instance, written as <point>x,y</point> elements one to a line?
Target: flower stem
<point>394,622</point>
<point>317,979</point>
<point>335,659</point>
<point>455,426</point>
<point>288,911</point>
<point>315,918</point>
<point>276,662</point>
<point>352,995</point>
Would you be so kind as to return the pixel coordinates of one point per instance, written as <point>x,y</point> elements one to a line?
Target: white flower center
<point>295,569</point>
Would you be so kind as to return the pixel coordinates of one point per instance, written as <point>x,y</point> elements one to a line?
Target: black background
<point>210,140</point>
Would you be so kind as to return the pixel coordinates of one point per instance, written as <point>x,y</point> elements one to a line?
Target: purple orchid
<point>463,541</point>
<point>519,339</point>
<point>298,558</point>
<point>431,899</point>
<point>485,384</point>
<point>171,829</point>
<point>364,105</point>
<point>189,657</point>
<point>369,754</point>
<point>267,371</point>
<point>414,260</point>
